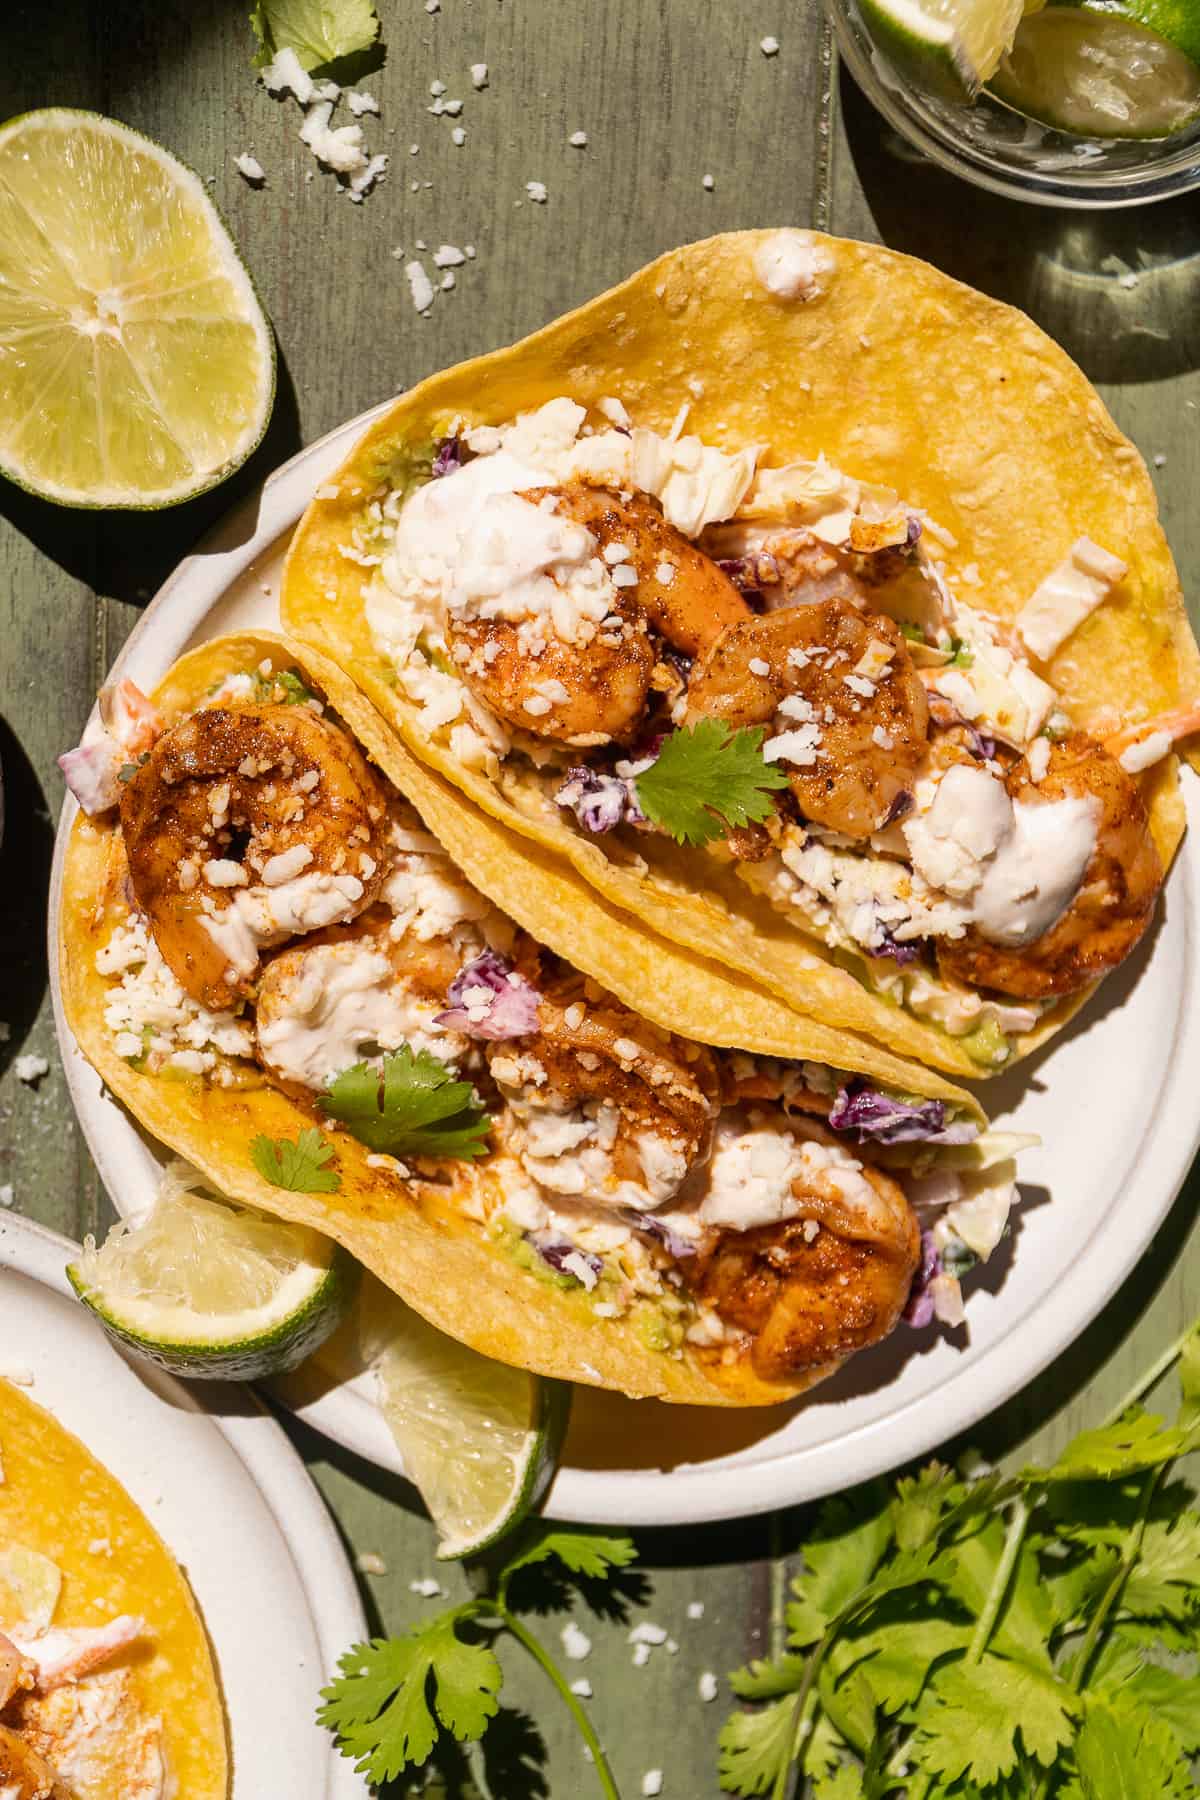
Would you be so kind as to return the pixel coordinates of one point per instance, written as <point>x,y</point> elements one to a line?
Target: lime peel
<point>205,1289</point>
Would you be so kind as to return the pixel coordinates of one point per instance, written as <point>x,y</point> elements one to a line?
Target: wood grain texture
<point>667,91</point>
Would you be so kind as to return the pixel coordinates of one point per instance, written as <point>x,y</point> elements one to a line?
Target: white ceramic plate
<point>232,1500</point>
<point>1115,1105</point>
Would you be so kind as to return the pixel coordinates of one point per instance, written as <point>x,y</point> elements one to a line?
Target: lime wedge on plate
<point>1104,73</point>
<point>950,47</point>
<point>136,366</point>
<point>479,1439</point>
<point>204,1288</point>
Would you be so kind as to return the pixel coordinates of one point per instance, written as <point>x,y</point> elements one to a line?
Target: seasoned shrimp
<point>576,693</point>
<point>1113,904</point>
<point>809,1297</point>
<point>595,688</point>
<point>602,1107</point>
<point>24,1774</point>
<point>349,993</point>
<point>245,826</point>
<point>839,688</point>
<point>680,591</point>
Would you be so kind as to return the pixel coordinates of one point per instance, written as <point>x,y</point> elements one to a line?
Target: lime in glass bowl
<point>1069,105</point>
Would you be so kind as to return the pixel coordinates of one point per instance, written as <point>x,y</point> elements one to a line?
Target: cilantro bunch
<point>994,1638</point>
<point>395,1697</point>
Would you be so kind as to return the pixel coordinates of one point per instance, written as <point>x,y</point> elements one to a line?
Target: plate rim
<point>789,1476</point>
<point>296,1507</point>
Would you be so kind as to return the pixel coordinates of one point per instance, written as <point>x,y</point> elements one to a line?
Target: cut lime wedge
<point>947,46</point>
<point>136,367</point>
<point>479,1439</point>
<point>1097,74</point>
<point>206,1289</point>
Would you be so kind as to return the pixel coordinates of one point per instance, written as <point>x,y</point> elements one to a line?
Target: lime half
<point>1098,74</point>
<point>948,46</point>
<point>203,1288</point>
<point>136,366</point>
<point>479,1439</point>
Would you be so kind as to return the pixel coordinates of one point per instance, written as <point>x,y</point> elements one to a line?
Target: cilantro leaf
<point>755,1746</point>
<point>970,1714</point>
<point>1025,1620</point>
<point>379,1705</point>
<point>1170,1696</point>
<point>920,1502</point>
<point>1189,1379</point>
<point>763,1679</point>
<point>319,31</point>
<point>299,1166</point>
<point>1138,1441</point>
<point>415,1107</point>
<point>843,1784</point>
<point>1166,1575</point>
<point>898,1657</point>
<point>707,779</point>
<point>1124,1753</point>
<point>852,1537</point>
<point>582,1552</point>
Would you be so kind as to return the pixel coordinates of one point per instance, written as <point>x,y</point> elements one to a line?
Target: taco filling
<point>276,915</point>
<point>97,1699</point>
<point>646,636</point>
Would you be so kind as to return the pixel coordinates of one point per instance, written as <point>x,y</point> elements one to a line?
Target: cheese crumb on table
<point>30,1068</point>
<point>369,1562</point>
<point>708,183</point>
<point>536,191</point>
<point>578,140</point>
<point>459,136</point>
<point>707,1685</point>
<point>251,168</point>
<point>576,1643</point>
<point>769,46</point>
<point>479,75</point>
<point>360,102</point>
<point>582,1687</point>
<point>695,1609</point>
<point>6,1194</point>
<point>420,286</point>
<point>652,1783</point>
<point>427,1587</point>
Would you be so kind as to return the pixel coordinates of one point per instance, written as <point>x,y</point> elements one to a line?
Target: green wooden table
<point>669,92</point>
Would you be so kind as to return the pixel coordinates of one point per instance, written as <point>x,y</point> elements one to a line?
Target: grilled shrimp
<point>581,693</point>
<point>595,690</point>
<point>841,686</point>
<point>806,1297</point>
<point>1114,902</point>
<point>600,1105</point>
<point>349,993</point>
<point>24,1774</point>
<point>680,591</point>
<point>227,808</point>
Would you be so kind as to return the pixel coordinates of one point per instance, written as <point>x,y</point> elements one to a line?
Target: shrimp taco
<point>107,1687</point>
<point>283,975</point>
<point>811,609</point>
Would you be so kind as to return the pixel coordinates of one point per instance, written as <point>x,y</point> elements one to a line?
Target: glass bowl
<point>996,147</point>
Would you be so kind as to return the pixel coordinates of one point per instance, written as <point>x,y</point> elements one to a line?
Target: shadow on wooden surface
<point>25,852</point>
<point>128,555</point>
<point>1120,290</point>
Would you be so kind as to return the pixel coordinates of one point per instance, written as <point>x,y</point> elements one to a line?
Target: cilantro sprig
<point>708,779</point>
<point>996,1638</point>
<point>297,1165</point>
<point>393,1698</point>
<point>413,1106</point>
<point>957,1636</point>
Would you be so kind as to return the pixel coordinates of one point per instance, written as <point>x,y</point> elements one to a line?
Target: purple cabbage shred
<point>448,456</point>
<point>868,1116</point>
<point>671,1241</point>
<point>901,954</point>
<point>918,1311</point>
<point>900,808</point>
<point>555,1252</point>
<point>598,801</point>
<point>488,999</point>
<point>914,530</point>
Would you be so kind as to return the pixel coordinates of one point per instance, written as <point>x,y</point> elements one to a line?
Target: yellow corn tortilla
<point>56,1499</point>
<point>902,377</point>
<point>411,1233</point>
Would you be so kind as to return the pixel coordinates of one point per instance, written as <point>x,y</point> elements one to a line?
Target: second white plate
<point>1115,1105</point>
